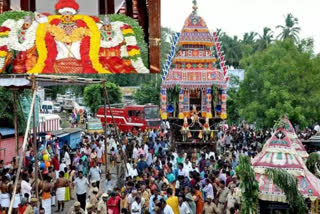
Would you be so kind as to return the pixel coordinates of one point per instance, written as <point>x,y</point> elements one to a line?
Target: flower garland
<point>42,49</point>
<point>122,32</point>
<point>3,56</point>
<point>60,35</point>
<point>132,51</point>
<point>93,49</point>
<point>28,39</point>
<point>117,38</point>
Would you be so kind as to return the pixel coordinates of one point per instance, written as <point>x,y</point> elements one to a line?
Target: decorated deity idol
<point>185,130</point>
<point>21,39</point>
<point>113,48</point>
<point>68,41</point>
<point>195,114</point>
<point>206,130</point>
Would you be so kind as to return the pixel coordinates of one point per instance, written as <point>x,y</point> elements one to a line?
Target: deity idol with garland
<point>113,48</point>
<point>185,131</point>
<point>25,59</point>
<point>206,130</point>
<point>68,41</point>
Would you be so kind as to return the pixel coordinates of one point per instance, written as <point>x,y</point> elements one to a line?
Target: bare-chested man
<point>5,197</point>
<point>60,187</point>
<point>17,199</point>
<point>52,174</point>
<point>46,188</point>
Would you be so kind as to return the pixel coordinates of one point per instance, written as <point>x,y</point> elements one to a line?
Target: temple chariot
<point>193,89</point>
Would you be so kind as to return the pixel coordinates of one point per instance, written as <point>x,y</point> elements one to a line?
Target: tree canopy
<point>280,80</point>
<point>93,95</point>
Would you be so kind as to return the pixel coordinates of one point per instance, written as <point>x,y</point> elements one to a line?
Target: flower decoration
<point>44,35</point>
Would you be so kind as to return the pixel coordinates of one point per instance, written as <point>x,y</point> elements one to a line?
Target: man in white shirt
<point>67,158</point>
<point>25,186</point>
<point>95,174</point>
<point>187,166</point>
<point>99,153</point>
<point>184,207</point>
<point>149,157</point>
<point>81,187</point>
<point>208,189</point>
<point>182,171</point>
<point>136,206</point>
<point>166,208</point>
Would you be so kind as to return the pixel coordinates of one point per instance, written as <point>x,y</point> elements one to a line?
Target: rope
<point>22,152</point>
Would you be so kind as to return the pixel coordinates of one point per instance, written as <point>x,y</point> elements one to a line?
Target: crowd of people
<point>145,174</point>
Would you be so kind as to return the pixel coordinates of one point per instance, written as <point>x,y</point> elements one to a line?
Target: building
<point>7,144</point>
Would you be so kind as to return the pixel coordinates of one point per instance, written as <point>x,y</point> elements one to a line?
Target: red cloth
<point>21,209</point>
<point>229,179</point>
<point>53,52</point>
<point>55,163</point>
<point>114,201</point>
<point>67,3</point>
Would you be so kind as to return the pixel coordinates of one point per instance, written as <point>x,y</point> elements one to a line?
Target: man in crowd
<point>81,186</point>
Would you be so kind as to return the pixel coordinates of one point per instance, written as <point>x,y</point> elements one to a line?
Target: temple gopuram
<point>198,71</point>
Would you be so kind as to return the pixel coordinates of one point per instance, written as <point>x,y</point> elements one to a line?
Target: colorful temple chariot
<point>195,68</point>
<point>282,151</point>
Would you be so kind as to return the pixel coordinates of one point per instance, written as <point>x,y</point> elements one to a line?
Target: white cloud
<point>239,16</point>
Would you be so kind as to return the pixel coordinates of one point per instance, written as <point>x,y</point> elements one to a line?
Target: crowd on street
<point>151,176</point>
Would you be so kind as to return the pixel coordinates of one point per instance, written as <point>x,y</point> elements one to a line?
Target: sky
<point>235,17</point>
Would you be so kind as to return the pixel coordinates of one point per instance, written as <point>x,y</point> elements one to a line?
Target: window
<point>132,113</point>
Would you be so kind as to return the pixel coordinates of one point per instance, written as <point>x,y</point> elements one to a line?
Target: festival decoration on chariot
<point>297,144</point>
<point>279,152</point>
<point>193,67</point>
<point>68,43</point>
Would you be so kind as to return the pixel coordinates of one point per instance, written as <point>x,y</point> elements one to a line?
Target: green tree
<point>264,39</point>
<point>231,46</point>
<point>166,40</point>
<point>312,163</point>
<point>6,110</point>
<point>148,93</point>
<point>249,186</point>
<point>93,95</point>
<point>280,80</point>
<point>290,29</point>
<point>232,101</point>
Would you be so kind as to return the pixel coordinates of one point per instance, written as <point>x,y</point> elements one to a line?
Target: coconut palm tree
<point>249,38</point>
<point>264,39</point>
<point>290,29</point>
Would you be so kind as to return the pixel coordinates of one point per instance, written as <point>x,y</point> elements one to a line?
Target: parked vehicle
<point>94,126</point>
<point>47,107</point>
<point>132,116</point>
<point>57,107</point>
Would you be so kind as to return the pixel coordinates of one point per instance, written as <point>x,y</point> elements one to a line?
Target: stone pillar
<point>181,102</point>
<point>208,103</point>
<point>163,103</point>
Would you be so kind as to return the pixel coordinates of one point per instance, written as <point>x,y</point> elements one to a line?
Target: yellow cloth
<point>173,202</point>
